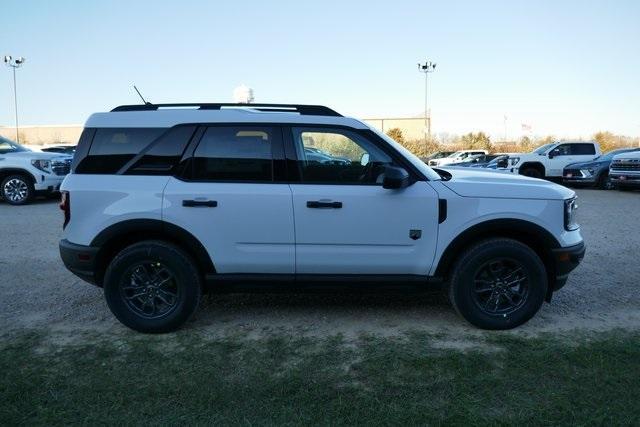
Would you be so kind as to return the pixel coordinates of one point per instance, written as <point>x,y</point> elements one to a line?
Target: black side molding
<point>442,210</point>
<point>316,204</point>
<point>196,203</point>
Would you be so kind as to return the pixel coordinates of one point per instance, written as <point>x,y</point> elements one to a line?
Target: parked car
<point>456,157</point>
<point>436,155</point>
<point>63,149</point>
<point>548,161</point>
<point>317,155</point>
<point>624,171</point>
<point>25,173</point>
<point>164,202</point>
<point>479,160</point>
<point>594,172</point>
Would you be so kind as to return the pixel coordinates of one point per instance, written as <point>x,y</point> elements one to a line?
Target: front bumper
<point>48,182</point>
<point>566,260</point>
<point>80,260</point>
<point>576,176</point>
<point>631,179</point>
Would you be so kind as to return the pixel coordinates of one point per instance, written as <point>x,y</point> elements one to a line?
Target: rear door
<point>231,196</point>
<point>583,152</point>
<point>345,221</point>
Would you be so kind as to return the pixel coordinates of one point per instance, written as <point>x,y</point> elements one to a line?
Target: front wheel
<point>152,287</point>
<point>604,182</point>
<point>532,172</point>
<point>16,190</point>
<point>498,284</point>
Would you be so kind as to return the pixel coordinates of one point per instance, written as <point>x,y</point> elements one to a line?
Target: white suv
<point>165,201</point>
<point>25,173</point>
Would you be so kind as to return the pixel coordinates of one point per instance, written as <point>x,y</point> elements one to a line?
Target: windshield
<point>415,161</point>
<point>496,160</point>
<point>456,154</point>
<point>8,146</point>
<point>544,148</point>
<point>610,154</point>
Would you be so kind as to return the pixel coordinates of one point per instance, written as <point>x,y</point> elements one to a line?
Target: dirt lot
<point>37,292</point>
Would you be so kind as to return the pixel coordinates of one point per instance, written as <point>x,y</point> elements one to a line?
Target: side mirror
<point>364,160</point>
<point>503,163</point>
<point>552,154</point>
<point>395,178</point>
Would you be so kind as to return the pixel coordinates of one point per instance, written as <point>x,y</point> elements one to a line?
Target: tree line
<point>479,140</point>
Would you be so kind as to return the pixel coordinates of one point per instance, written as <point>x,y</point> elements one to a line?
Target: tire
<point>470,279</point>
<point>604,183</point>
<point>140,280</point>
<point>17,189</point>
<point>532,173</point>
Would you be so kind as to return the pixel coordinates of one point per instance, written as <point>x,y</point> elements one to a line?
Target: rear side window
<point>583,149</point>
<point>163,155</point>
<point>112,148</point>
<point>235,153</point>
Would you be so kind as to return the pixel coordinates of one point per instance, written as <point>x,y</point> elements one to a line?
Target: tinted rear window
<point>583,149</point>
<point>112,148</point>
<point>235,153</point>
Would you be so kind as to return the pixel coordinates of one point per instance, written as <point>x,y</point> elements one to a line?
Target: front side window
<point>337,156</point>
<point>235,153</point>
<point>562,150</point>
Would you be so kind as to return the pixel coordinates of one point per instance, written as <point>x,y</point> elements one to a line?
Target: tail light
<point>65,206</point>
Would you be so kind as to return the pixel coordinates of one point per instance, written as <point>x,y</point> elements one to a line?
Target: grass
<point>189,379</point>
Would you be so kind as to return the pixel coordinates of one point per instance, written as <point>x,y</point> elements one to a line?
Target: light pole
<point>15,63</point>
<point>426,68</point>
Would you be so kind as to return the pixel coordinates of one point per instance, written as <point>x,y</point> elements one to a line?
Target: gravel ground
<point>37,292</point>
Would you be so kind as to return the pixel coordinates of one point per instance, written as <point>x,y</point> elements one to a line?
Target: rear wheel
<point>17,189</point>
<point>152,287</point>
<point>498,284</point>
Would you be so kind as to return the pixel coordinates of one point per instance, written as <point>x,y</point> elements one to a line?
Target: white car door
<point>230,199</point>
<point>557,159</point>
<point>345,221</point>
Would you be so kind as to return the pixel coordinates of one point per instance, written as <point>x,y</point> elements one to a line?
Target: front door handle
<point>316,204</point>
<point>199,203</point>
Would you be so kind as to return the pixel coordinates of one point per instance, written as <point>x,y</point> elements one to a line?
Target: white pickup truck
<point>549,160</point>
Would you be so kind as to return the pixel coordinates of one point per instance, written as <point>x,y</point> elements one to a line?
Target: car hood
<point>591,163</point>
<point>630,155</point>
<point>488,183</point>
<point>36,155</point>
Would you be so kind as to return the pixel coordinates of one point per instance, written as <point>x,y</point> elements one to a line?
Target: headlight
<point>587,172</point>
<point>43,165</point>
<point>570,207</point>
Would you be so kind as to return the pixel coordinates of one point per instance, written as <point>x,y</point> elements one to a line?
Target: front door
<point>345,221</point>
<point>229,199</point>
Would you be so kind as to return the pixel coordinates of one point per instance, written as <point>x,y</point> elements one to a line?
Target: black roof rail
<point>305,110</point>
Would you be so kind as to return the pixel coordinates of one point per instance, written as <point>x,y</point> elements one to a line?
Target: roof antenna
<point>141,97</point>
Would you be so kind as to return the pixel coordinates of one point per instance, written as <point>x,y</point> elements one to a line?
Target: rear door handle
<point>199,203</point>
<point>316,204</point>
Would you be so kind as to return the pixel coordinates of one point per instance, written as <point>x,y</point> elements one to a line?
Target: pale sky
<point>567,68</point>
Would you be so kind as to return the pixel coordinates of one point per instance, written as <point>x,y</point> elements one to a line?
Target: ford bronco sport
<point>166,201</point>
